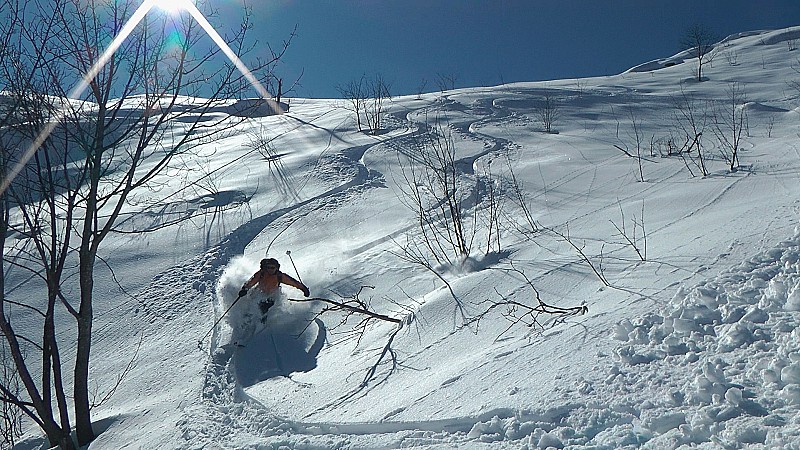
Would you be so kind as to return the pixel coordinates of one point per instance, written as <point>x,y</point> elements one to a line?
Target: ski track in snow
<point>757,299</point>
<point>221,388</point>
<point>733,336</point>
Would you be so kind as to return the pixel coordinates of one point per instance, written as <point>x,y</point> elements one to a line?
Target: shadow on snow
<point>271,354</point>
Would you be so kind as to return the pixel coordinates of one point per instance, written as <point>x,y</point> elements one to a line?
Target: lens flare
<point>172,6</point>
<point>130,25</point>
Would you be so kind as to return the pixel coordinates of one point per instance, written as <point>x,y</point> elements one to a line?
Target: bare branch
<point>338,306</point>
<point>528,314</point>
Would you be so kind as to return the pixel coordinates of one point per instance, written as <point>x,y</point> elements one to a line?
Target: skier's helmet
<point>270,262</point>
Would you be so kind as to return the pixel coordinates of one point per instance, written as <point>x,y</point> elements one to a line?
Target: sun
<point>172,6</point>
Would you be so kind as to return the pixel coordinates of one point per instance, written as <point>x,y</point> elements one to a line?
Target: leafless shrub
<point>579,247</point>
<point>454,209</point>
<point>491,211</point>
<point>262,143</point>
<point>770,125</point>
<point>519,197</point>
<point>423,84</point>
<point>581,86</point>
<point>378,90</point>
<point>690,119</point>
<point>365,98</point>
<point>446,81</point>
<point>435,190</point>
<point>356,315</point>
<point>547,111</point>
<point>732,56</point>
<point>636,238</point>
<point>662,146</point>
<point>635,136</point>
<point>730,123</point>
<point>355,95</point>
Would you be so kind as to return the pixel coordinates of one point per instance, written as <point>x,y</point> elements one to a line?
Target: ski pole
<point>200,342</point>
<point>289,254</point>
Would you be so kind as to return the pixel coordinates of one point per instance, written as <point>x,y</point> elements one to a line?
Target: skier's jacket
<point>268,282</point>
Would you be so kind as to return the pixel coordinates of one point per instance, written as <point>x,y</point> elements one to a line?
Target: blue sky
<point>488,42</point>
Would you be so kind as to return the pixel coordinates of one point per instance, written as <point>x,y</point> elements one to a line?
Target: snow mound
<point>731,348</point>
<point>719,365</point>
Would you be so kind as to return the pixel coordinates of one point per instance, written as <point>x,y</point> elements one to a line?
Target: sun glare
<point>172,6</point>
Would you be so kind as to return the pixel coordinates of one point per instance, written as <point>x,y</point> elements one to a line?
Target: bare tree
<point>38,405</point>
<point>446,81</point>
<point>699,40</point>
<point>10,390</point>
<point>691,120</point>
<point>635,134</point>
<point>365,97</point>
<point>95,152</point>
<point>378,92</point>
<point>547,110</point>
<point>355,93</point>
<point>730,122</point>
<point>9,381</point>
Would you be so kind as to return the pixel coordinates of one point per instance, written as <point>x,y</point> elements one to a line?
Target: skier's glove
<point>306,292</point>
<point>243,292</point>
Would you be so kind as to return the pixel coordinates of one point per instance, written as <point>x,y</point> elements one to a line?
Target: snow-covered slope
<point>695,345</point>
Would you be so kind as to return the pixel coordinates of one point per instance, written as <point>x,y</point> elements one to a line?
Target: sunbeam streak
<point>198,16</point>
<point>130,25</point>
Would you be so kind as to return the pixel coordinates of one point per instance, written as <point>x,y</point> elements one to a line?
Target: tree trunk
<point>83,422</point>
<point>87,254</point>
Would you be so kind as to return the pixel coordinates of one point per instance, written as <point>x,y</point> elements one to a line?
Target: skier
<point>268,279</point>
